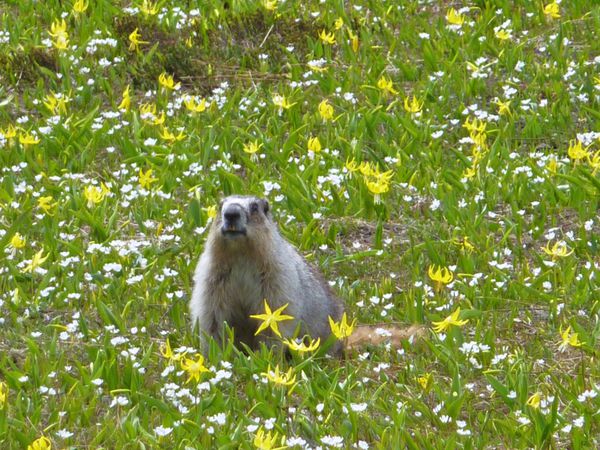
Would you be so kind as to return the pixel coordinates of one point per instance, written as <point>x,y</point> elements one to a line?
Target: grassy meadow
<point>437,161</point>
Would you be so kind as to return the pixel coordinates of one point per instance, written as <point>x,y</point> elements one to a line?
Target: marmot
<point>246,261</point>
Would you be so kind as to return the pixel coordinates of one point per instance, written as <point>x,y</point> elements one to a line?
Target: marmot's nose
<point>232,214</point>
<point>233,221</point>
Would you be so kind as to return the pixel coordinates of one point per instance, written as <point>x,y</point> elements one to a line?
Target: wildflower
<point>80,6</point>
<point>270,5</point>
<point>576,151</point>
<point>167,82</point>
<point>211,211</point>
<point>454,18</point>
<point>314,145</point>
<point>301,346</point>
<point>159,120</point>
<point>45,203</point>
<point>95,194</point>
<point>271,319</point>
<point>265,441</point>
<point>148,8</point>
<point>470,172</point>
<point>502,34</point>
<point>28,139</point>
<point>352,165</point>
<point>251,148</point>
<point>569,339</point>
<point>594,162</point>
<point>317,65</point>
<point>170,137</point>
<point>503,107</point>
<point>452,319</point>
<point>534,400</point>
<point>342,330</point>
<point>386,85</point>
<point>135,41</point>
<point>377,186</point>
<point>552,165</point>
<point>36,261</point>
<point>42,443</point>
<point>146,179</point>
<point>17,241</point>
<point>194,368</point>
<point>413,106</point>
<point>147,109</point>
<point>58,30</point>
<point>353,40</point>
<point>167,352</point>
<point>425,380</point>
<point>188,42</point>
<point>333,441</point>
<point>325,110</point>
<point>366,169</point>
<point>281,378</point>
<point>339,23</point>
<point>3,394</point>
<point>126,101</point>
<point>327,38</point>
<point>479,143</point>
<point>282,102</point>
<point>558,250</point>
<point>191,104</point>
<point>10,132</point>
<point>464,244</point>
<point>552,10</point>
<point>56,103</point>
<point>477,126</point>
<point>161,431</point>
<point>440,276</point>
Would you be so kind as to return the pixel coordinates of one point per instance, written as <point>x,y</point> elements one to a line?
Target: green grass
<point>82,336</point>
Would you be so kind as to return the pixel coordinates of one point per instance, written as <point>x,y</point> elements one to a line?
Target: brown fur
<point>382,334</point>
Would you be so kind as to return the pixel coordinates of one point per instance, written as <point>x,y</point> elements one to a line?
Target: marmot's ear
<point>265,205</point>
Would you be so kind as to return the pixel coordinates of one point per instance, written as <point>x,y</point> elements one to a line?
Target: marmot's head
<point>242,217</point>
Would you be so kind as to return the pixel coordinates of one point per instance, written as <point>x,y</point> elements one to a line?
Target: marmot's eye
<point>254,208</point>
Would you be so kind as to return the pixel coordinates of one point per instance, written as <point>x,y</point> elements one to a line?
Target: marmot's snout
<point>234,220</point>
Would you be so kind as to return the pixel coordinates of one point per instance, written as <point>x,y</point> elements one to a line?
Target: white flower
<point>119,400</point>
<point>64,434</point>
<point>296,441</point>
<point>162,431</point>
<point>358,407</point>
<point>587,394</point>
<point>112,267</point>
<point>333,441</point>
<point>219,419</point>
